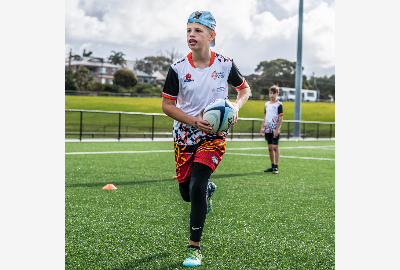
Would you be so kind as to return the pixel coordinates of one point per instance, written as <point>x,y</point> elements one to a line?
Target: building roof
<point>142,74</point>
<point>163,72</point>
<point>160,74</point>
<point>90,61</point>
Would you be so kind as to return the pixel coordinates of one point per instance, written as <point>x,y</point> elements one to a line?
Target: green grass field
<point>320,111</point>
<point>258,221</point>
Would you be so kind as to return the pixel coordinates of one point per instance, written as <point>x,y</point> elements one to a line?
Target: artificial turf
<point>259,220</point>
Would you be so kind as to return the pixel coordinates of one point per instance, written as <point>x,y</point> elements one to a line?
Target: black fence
<point>83,124</point>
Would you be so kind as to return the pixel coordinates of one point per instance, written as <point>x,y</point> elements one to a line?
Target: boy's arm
<point>236,79</point>
<point>169,108</point>
<point>262,131</point>
<point>242,96</point>
<point>276,131</point>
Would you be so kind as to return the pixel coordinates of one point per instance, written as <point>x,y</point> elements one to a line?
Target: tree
<point>85,53</point>
<point>117,59</point>
<point>325,85</point>
<point>279,72</point>
<point>173,55</point>
<point>151,64</point>
<point>70,82</point>
<point>125,78</point>
<point>83,79</point>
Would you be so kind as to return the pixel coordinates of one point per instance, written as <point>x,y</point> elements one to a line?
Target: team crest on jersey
<point>215,160</point>
<point>215,75</point>
<point>188,78</point>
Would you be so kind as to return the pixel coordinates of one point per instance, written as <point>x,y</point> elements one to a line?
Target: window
<point>110,81</point>
<point>112,70</point>
<point>103,80</point>
<point>292,92</point>
<point>103,70</point>
<point>309,94</point>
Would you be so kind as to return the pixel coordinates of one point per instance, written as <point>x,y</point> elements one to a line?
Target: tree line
<point>125,81</point>
<point>279,72</point>
<point>282,72</point>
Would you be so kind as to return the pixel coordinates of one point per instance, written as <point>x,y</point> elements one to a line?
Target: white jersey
<point>193,89</point>
<point>272,111</point>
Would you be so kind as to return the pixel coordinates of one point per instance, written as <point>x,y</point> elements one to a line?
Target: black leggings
<point>195,191</point>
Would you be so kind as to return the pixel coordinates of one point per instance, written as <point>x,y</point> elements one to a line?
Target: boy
<point>193,82</point>
<point>271,127</point>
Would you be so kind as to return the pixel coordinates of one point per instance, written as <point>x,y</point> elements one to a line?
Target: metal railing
<point>89,124</point>
<point>158,95</point>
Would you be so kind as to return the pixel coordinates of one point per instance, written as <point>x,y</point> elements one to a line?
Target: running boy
<point>271,127</point>
<point>193,82</point>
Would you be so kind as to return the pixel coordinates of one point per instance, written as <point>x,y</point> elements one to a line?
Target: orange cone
<point>109,186</point>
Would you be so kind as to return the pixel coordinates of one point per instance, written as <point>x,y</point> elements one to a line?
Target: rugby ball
<point>220,114</point>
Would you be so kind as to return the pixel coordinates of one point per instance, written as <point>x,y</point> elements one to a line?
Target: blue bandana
<point>206,19</point>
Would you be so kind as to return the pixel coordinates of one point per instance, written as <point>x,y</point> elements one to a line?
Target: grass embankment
<point>133,126</point>
<point>319,111</point>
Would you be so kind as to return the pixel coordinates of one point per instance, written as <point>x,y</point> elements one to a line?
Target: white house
<point>100,69</point>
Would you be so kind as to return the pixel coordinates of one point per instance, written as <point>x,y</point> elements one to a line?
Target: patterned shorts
<point>206,152</point>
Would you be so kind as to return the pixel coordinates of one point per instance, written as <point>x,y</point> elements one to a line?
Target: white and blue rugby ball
<point>220,114</point>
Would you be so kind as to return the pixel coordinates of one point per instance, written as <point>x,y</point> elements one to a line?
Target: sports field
<point>259,220</point>
<point>310,111</point>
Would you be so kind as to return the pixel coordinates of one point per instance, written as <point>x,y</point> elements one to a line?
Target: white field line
<point>294,147</point>
<point>118,152</point>
<point>259,155</point>
<point>170,151</point>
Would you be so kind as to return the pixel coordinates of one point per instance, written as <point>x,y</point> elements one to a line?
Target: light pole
<point>298,82</point>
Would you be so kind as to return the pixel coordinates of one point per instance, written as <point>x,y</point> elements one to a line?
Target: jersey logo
<point>219,89</point>
<point>188,78</point>
<point>215,160</point>
<point>197,15</point>
<point>215,75</point>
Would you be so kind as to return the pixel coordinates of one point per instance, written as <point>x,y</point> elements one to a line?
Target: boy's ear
<point>213,35</point>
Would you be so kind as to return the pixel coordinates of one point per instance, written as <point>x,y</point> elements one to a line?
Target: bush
<point>108,88</point>
<point>70,82</point>
<point>125,78</point>
<point>146,88</point>
<point>98,87</point>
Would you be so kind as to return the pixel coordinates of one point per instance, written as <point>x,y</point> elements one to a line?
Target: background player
<point>193,82</point>
<point>271,127</point>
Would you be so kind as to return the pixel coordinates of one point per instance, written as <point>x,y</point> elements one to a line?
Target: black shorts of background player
<point>273,116</point>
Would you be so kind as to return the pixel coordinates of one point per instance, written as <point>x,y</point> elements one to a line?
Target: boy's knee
<point>276,148</point>
<point>198,187</point>
<point>185,194</point>
<point>270,147</point>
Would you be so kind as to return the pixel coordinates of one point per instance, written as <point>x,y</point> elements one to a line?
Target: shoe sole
<point>209,207</point>
<point>209,201</point>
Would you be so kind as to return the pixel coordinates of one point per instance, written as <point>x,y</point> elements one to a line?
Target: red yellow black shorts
<point>206,152</point>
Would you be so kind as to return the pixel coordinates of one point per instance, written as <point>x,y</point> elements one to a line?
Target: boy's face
<point>272,95</point>
<point>198,36</point>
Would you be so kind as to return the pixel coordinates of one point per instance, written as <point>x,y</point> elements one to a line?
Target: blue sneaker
<point>193,258</point>
<point>210,192</point>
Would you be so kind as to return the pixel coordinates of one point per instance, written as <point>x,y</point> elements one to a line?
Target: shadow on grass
<point>125,183</point>
<point>145,262</point>
<point>214,176</point>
